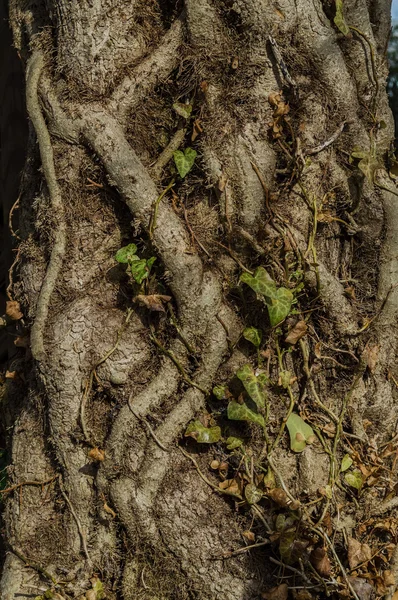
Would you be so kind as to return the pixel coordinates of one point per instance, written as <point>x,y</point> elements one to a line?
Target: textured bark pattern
<point>112,71</point>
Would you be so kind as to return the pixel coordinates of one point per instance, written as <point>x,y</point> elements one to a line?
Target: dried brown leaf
<point>357,553</point>
<point>249,535</point>
<point>153,302</point>
<point>362,588</point>
<point>277,593</point>
<point>279,496</point>
<point>320,561</point>
<point>13,310</point>
<point>296,333</point>
<point>97,454</point>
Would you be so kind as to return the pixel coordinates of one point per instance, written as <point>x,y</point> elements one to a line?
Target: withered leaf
<point>357,553</point>
<point>249,535</point>
<point>296,333</point>
<point>13,310</point>
<point>371,355</point>
<point>362,588</point>
<point>153,302</point>
<point>277,593</point>
<point>320,561</point>
<point>197,129</point>
<point>97,454</point>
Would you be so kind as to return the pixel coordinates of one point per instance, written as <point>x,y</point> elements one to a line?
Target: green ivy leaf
<point>184,110</point>
<point>354,479</point>
<point>285,378</point>
<point>368,163</point>
<point>220,392</point>
<point>346,463</point>
<point>261,282</point>
<point>300,433</point>
<point>141,268</point>
<point>279,306</point>
<point>184,161</point>
<point>127,254</point>
<point>202,434</point>
<point>253,494</point>
<point>241,412</point>
<point>286,545</point>
<point>339,20</point>
<point>233,442</point>
<point>253,335</point>
<point>254,384</point>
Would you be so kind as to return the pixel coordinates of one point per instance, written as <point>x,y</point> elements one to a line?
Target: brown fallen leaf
<point>153,302</point>
<point>296,333</point>
<point>197,129</point>
<point>249,535</point>
<point>22,341</point>
<point>357,553</point>
<point>371,355</point>
<point>362,588</point>
<point>277,593</point>
<point>320,561</point>
<point>230,485</point>
<point>97,454</point>
<point>13,310</point>
<point>11,374</point>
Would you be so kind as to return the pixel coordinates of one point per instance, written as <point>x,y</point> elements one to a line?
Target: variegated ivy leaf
<point>368,164</point>
<point>233,442</point>
<point>253,494</point>
<point>202,434</point>
<point>339,20</point>
<point>253,335</point>
<point>260,282</point>
<point>241,412</point>
<point>300,433</point>
<point>346,463</point>
<point>220,392</point>
<point>279,305</point>
<point>254,384</point>
<point>141,268</point>
<point>354,479</point>
<point>127,254</point>
<point>184,161</point>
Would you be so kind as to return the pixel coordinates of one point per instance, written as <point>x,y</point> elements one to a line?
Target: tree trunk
<point>285,106</point>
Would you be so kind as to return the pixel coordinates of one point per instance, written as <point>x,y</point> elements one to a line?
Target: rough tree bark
<point>281,98</point>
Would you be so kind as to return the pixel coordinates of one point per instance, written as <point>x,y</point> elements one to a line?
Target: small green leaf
<point>354,479</point>
<point>339,20</point>
<point>254,384</point>
<point>346,463</point>
<point>184,161</point>
<point>141,268</point>
<point>285,377</point>
<point>127,254</point>
<point>220,392</point>
<point>98,588</point>
<point>286,545</point>
<point>184,110</point>
<point>253,494</point>
<point>253,335</point>
<point>279,306</point>
<point>368,163</point>
<point>233,442</point>
<point>241,412</point>
<point>202,434</point>
<point>300,433</point>
<point>261,282</point>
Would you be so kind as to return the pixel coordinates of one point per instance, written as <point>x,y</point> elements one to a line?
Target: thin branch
<point>34,70</point>
<point>76,518</point>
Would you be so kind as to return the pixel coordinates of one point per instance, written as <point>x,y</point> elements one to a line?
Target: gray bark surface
<point>101,80</point>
